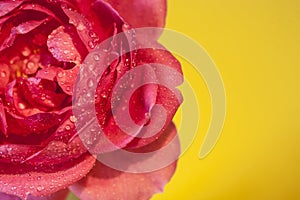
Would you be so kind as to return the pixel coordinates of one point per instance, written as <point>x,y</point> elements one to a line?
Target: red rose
<point>43,45</point>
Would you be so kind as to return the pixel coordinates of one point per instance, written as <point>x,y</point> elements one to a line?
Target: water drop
<point>21,106</point>
<point>30,65</point>
<point>40,188</point>
<point>68,128</point>
<point>103,95</point>
<point>43,97</point>
<point>96,57</point>
<point>13,188</point>
<point>91,44</point>
<point>3,74</point>
<point>90,83</point>
<point>60,74</point>
<point>73,119</point>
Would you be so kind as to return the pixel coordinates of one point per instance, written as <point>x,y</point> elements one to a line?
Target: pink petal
<point>43,183</point>
<point>109,184</point>
<point>48,73</point>
<point>8,5</point>
<point>62,47</point>
<point>165,97</point>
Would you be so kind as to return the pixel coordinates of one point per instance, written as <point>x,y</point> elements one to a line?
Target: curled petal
<point>105,20</point>
<point>62,47</point>
<point>141,13</point>
<point>8,5</point>
<point>108,184</point>
<point>3,123</point>
<point>43,183</point>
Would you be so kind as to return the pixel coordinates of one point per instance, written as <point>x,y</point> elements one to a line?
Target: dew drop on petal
<point>73,119</point>
<point>21,106</point>
<point>40,188</point>
<point>3,74</point>
<point>90,83</point>
<point>96,57</point>
<point>68,128</point>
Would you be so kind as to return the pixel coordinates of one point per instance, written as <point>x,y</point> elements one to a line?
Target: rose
<point>42,46</point>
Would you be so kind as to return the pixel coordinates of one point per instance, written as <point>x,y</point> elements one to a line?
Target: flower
<point>43,47</point>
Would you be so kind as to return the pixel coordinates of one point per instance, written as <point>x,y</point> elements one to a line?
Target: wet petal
<point>141,13</point>
<point>4,76</point>
<point>48,73</point>
<point>108,184</point>
<point>60,195</point>
<point>62,46</point>
<point>8,5</point>
<point>105,20</point>
<point>3,123</point>
<point>42,183</point>
<point>66,79</point>
<point>165,96</point>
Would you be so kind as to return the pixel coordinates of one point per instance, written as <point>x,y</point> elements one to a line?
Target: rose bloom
<point>42,46</point>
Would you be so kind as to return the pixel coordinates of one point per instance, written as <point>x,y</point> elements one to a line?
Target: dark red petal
<point>141,13</point>
<point>66,79</point>
<point>105,20</point>
<point>8,5</point>
<point>42,183</point>
<point>15,153</point>
<point>109,184</point>
<point>4,76</point>
<point>60,195</point>
<point>3,123</point>
<point>83,27</point>
<point>62,47</point>
<point>28,26</point>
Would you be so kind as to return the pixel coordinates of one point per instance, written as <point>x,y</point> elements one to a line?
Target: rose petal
<point>62,47</point>
<point>16,153</point>
<point>141,13</point>
<point>165,96</point>
<point>60,195</point>
<point>28,26</point>
<point>83,27</point>
<point>57,152</point>
<point>105,20</point>
<point>3,122</point>
<point>4,76</point>
<point>48,73</point>
<point>8,5</point>
<point>108,184</point>
<point>66,79</point>
<point>21,23</point>
<point>42,183</point>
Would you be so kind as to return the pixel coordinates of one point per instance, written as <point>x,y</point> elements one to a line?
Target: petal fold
<point>109,184</point>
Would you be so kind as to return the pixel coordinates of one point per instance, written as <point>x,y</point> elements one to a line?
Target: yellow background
<point>256,46</point>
